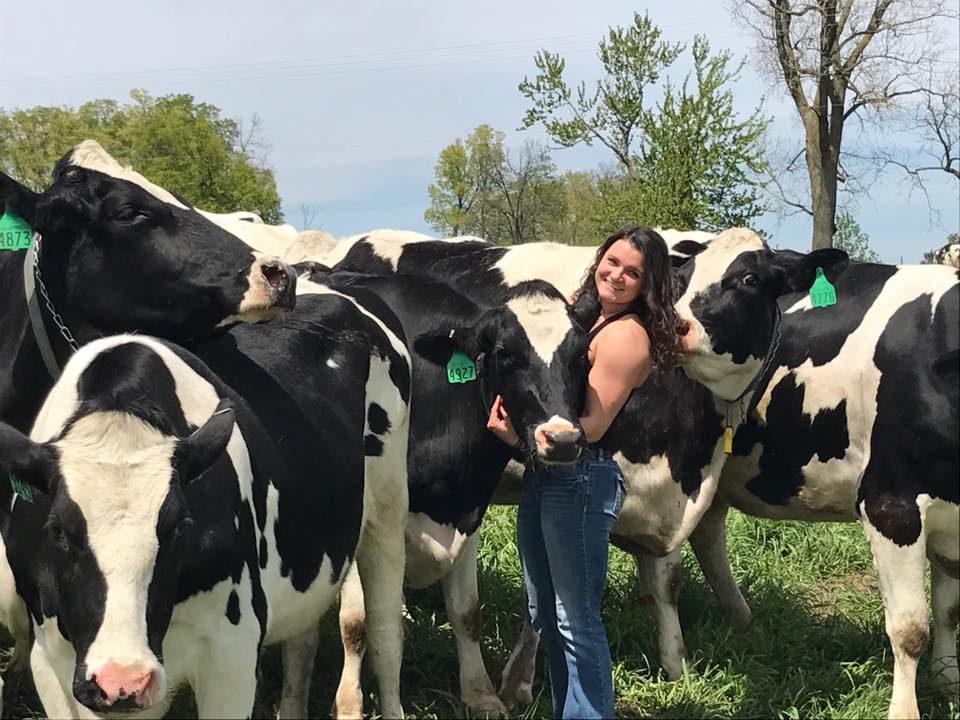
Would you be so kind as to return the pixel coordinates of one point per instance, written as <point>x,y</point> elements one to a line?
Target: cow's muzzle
<point>558,443</point>
<point>118,688</point>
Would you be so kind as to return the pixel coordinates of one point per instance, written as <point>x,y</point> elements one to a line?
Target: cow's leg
<point>709,543</point>
<point>945,598</point>
<point>380,562</point>
<point>462,599</point>
<point>662,578</point>
<point>900,569</point>
<point>227,681</point>
<point>349,699</point>
<point>516,683</point>
<point>298,655</point>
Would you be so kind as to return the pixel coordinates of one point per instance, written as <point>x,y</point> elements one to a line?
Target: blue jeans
<point>563,530</point>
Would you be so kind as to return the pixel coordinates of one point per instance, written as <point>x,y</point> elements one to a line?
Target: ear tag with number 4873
<point>822,293</point>
<point>15,234</point>
<point>460,369</point>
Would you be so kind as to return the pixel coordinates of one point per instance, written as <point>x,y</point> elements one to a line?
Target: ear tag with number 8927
<point>460,369</point>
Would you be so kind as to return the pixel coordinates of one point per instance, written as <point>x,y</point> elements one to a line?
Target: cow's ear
<point>24,459</point>
<point>22,201</point>
<point>196,453</point>
<point>682,251</point>
<point>438,346</point>
<point>801,270</point>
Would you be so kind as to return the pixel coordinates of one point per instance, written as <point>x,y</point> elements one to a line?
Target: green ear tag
<point>822,293</point>
<point>21,488</point>
<point>461,369</point>
<point>15,234</point>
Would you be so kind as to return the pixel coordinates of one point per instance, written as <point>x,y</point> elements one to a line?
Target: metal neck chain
<point>57,319</point>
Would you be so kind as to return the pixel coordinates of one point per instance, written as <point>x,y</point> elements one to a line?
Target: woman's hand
<point>499,423</point>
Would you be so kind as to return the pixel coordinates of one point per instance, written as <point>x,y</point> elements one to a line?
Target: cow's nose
<point>125,682</point>
<point>283,280</point>
<point>561,438</point>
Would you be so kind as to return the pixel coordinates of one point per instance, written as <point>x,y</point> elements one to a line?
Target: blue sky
<point>357,98</point>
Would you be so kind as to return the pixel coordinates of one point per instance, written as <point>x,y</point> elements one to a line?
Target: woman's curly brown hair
<point>654,304</point>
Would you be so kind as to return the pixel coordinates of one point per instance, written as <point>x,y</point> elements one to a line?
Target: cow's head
<point>728,298</point>
<point>533,351</point>
<point>106,537</point>
<point>120,253</point>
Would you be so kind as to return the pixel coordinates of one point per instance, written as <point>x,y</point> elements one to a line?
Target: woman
<point>565,515</point>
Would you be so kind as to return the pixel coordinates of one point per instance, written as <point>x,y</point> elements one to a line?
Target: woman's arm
<point>621,363</point>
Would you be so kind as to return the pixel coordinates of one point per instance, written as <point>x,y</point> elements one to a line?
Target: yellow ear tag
<point>728,439</point>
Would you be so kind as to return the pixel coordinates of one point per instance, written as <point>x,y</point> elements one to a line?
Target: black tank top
<point>593,333</point>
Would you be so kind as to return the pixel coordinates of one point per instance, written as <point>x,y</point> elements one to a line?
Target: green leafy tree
<point>177,142</point>
<point>687,161</point>
<point>851,238</point>
<point>482,189</point>
<point>578,225</point>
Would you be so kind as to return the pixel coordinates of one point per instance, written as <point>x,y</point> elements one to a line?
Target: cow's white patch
<point>563,266</point>
<point>432,549</point>
<point>91,155</point>
<point>269,240</point>
<point>545,322</point>
<point>117,469</point>
<point>719,373</point>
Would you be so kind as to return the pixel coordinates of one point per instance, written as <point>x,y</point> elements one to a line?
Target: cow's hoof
<point>518,698</point>
<point>487,707</point>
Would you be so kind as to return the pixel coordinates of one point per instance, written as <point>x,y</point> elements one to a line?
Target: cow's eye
<point>57,533</point>
<point>130,213</point>
<point>751,280</point>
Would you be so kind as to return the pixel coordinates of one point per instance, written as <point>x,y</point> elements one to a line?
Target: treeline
<point>174,140</point>
<point>686,160</point>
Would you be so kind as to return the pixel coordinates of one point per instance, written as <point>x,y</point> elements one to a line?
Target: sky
<point>356,98</point>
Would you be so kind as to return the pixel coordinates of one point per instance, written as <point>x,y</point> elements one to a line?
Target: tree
<point>851,238</point>
<point>688,161</point>
<point>840,59</point>
<point>482,189</point>
<point>613,113</point>
<point>177,142</point>
<point>463,179</point>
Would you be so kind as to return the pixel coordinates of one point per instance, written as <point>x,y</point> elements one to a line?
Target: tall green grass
<point>815,647</point>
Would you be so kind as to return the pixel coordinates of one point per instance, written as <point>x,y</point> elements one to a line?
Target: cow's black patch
<point>362,258</point>
<point>896,518</point>
<point>372,446</point>
<point>263,552</point>
<point>377,420</point>
<point>790,440</point>
<point>233,608</point>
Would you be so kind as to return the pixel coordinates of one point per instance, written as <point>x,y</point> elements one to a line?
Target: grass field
<point>815,647</point>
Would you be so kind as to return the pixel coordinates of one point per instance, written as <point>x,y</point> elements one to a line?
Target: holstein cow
<point>668,435</point>
<point>858,421</point>
<point>165,536</point>
<point>528,346</point>
<point>949,254</point>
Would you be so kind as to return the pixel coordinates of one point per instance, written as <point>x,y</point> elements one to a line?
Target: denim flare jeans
<point>563,530</point>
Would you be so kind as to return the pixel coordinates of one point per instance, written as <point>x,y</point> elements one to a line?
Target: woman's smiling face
<point>619,274</point>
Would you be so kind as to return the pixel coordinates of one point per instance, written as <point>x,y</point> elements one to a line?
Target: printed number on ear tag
<point>822,292</point>
<point>460,369</point>
<point>15,234</point>
<point>20,488</point>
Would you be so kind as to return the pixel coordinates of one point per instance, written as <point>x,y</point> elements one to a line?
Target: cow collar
<point>759,383</point>
<point>31,282</point>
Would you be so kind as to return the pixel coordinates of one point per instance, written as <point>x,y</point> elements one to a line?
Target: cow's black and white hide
<point>334,485</point>
<point>117,253</point>
<point>528,347</point>
<point>113,252</point>
<point>858,421</point>
<point>948,254</point>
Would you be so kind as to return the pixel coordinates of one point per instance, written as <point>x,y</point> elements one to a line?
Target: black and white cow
<point>529,347</point>
<point>858,420</point>
<point>118,255</point>
<point>164,560</point>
